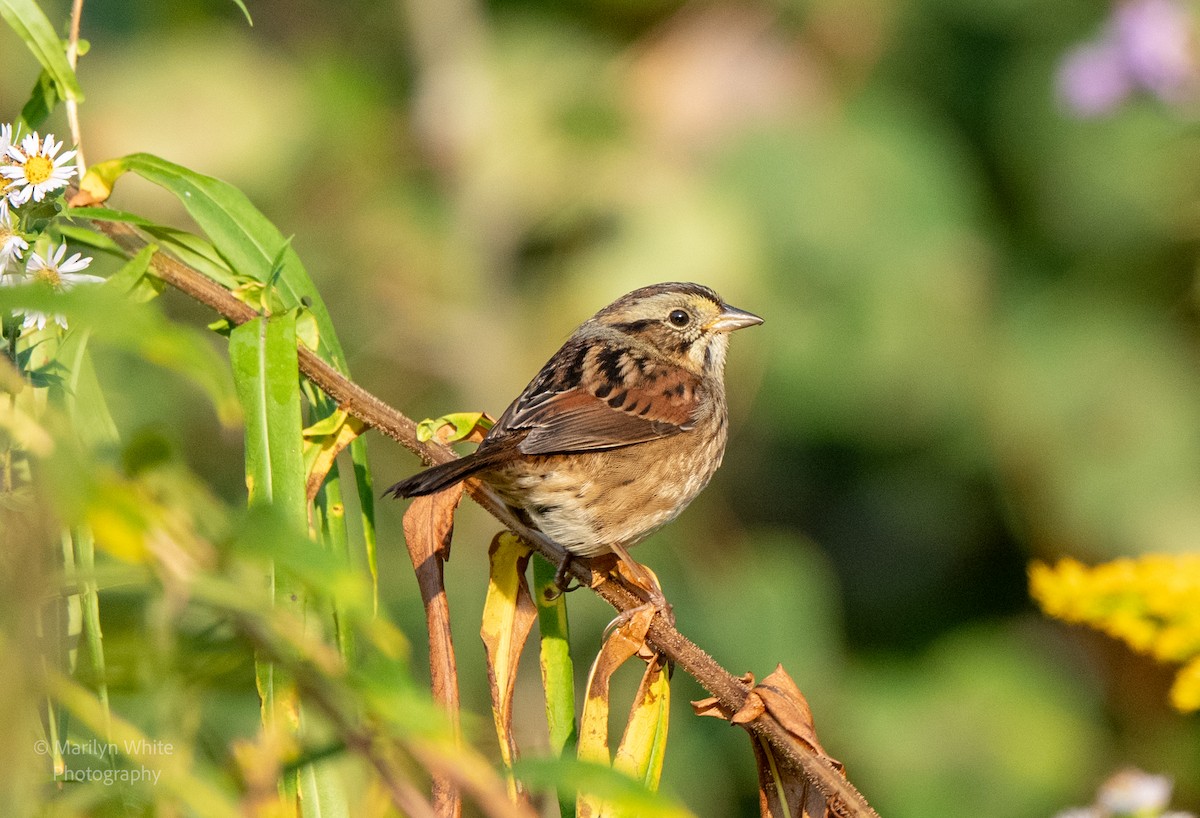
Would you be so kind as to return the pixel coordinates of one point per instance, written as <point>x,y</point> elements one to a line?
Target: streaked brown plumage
<point>620,430</point>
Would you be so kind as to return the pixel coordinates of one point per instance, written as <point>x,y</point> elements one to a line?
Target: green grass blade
<point>558,670</point>
<point>331,513</point>
<point>262,353</point>
<point>81,396</point>
<point>366,505</point>
<point>266,378</point>
<point>85,553</point>
<point>321,792</point>
<point>245,11</point>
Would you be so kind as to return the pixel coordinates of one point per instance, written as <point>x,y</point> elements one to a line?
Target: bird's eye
<point>679,318</point>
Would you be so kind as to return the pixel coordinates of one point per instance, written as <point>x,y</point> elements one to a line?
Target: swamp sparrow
<point>620,430</point>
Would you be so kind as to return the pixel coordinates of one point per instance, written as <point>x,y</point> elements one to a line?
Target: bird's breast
<point>586,501</point>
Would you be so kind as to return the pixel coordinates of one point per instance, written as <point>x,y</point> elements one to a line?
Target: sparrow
<point>618,432</point>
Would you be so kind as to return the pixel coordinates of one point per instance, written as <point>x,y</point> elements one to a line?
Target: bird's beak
<point>732,318</point>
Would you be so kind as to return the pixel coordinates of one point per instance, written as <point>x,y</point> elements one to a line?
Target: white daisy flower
<point>6,137</point>
<point>1133,791</point>
<point>11,242</point>
<point>59,274</point>
<point>35,168</point>
<point>6,142</point>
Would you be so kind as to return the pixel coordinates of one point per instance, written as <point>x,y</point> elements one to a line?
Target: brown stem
<point>729,690</point>
<point>72,105</point>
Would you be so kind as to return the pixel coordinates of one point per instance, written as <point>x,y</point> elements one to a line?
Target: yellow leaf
<point>621,645</point>
<point>320,452</point>
<point>508,616</point>
<point>97,184</point>
<point>642,748</point>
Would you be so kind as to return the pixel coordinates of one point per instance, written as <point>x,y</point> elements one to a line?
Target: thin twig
<point>73,105</point>
<point>729,690</point>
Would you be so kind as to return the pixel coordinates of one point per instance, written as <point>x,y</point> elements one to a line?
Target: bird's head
<point>685,324</point>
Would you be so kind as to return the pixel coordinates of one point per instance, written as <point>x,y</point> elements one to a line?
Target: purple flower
<point>1092,78</point>
<point>1156,40</point>
<point>1146,45</point>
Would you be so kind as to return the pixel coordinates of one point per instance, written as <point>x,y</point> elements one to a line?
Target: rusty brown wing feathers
<point>586,398</point>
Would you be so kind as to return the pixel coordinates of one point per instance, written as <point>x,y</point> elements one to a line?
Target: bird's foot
<point>644,580</point>
<point>563,578</point>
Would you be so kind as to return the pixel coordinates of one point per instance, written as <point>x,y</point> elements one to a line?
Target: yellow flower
<point>1185,691</point>
<point>1149,603</point>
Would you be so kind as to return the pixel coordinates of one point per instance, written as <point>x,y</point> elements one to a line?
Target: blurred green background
<point>980,344</point>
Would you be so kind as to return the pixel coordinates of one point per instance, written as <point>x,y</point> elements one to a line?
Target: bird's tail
<point>439,477</point>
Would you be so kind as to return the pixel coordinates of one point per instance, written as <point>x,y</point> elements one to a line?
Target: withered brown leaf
<point>428,527</point>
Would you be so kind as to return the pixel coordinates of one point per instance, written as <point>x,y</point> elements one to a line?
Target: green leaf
<point>624,794</point>
<point>32,26</point>
<point>330,513</point>
<point>42,100</point>
<point>89,238</point>
<point>644,745</point>
<point>462,423</point>
<point>85,559</point>
<point>262,353</point>
<point>322,794</point>
<point>558,669</point>
<point>327,425</point>
<point>132,281</point>
<point>187,247</point>
<point>245,239</point>
<point>266,377</point>
<point>82,394</point>
<point>106,214</point>
<point>245,11</point>
<point>366,504</point>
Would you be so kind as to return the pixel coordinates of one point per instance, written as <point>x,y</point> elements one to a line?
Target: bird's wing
<point>600,401</point>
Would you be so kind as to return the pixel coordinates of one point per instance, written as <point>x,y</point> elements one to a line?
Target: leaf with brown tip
<point>508,617</point>
<point>643,746</point>
<point>621,645</point>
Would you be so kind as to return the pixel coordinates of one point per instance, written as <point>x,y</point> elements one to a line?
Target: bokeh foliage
<point>980,343</point>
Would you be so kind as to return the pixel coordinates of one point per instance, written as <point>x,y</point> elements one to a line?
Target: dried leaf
<point>711,706</point>
<point>751,709</point>
<point>782,791</point>
<point>508,617</point>
<point>783,700</point>
<point>428,526</point>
